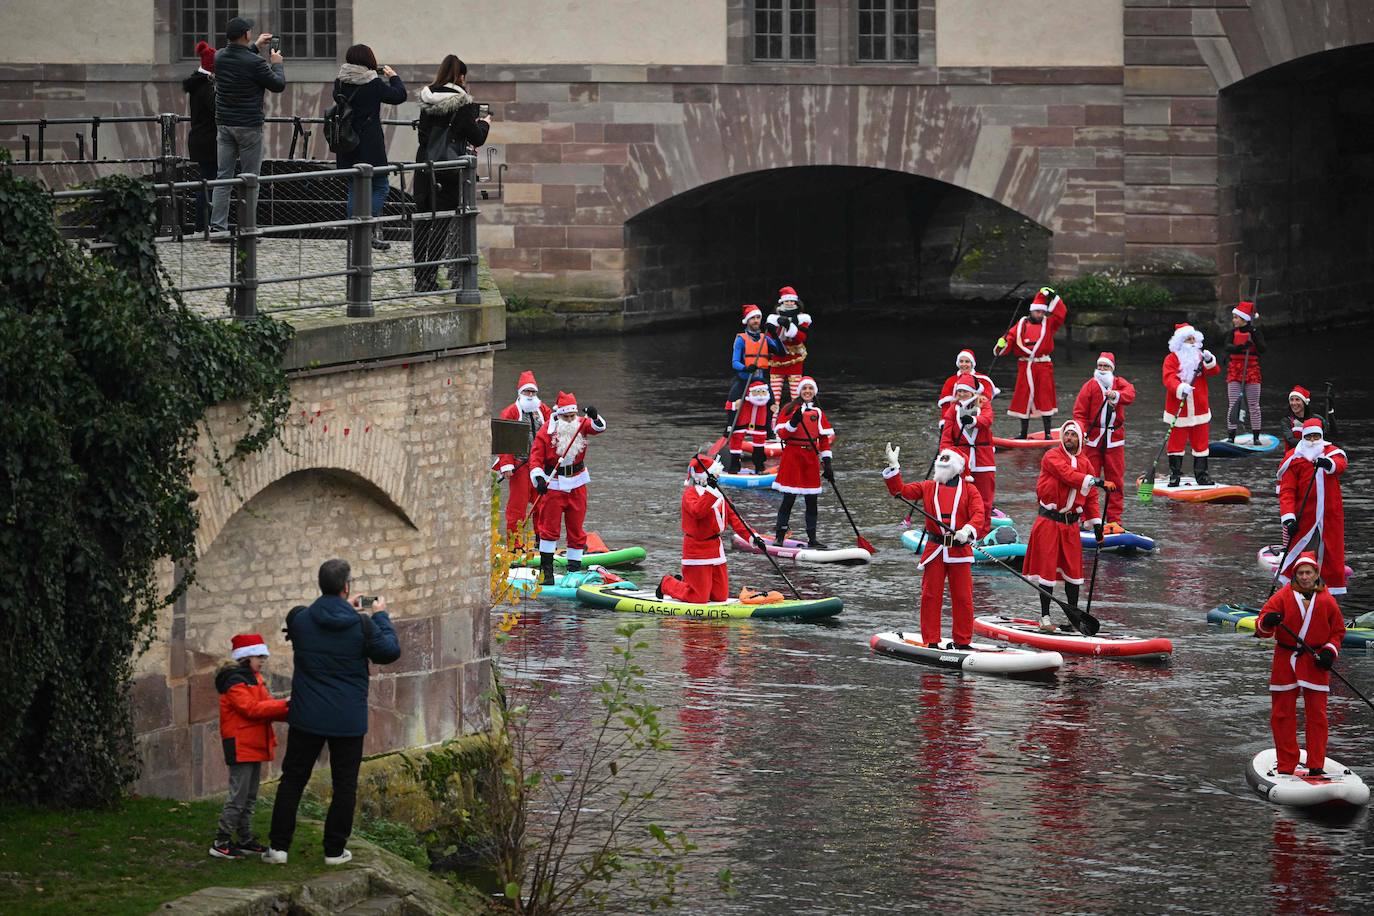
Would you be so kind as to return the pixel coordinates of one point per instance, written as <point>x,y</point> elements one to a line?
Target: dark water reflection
<point>832,781</point>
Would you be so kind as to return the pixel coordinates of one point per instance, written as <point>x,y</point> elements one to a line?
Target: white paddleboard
<point>983,658</point>
<point>1340,785</point>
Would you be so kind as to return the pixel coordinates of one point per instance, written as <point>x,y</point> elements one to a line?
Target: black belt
<point>1289,648</point>
<point>1064,518</point>
<point>571,470</point>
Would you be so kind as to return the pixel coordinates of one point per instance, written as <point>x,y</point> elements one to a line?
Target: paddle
<point>1283,558</point>
<point>1329,418</point>
<point>1146,491</point>
<point>714,450</point>
<point>1237,414</point>
<point>862,541</point>
<point>1086,624</point>
<point>1306,648</point>
<point>1092,580</point>
<point>1010,321</point>
<point>753,534</point>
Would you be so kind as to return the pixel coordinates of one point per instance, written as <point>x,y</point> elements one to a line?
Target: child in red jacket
<point>246,714</point>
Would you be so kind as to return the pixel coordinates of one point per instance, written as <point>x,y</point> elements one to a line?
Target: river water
<point>830,780</point>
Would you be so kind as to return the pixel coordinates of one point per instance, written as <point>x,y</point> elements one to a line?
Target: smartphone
<point>275,43</point>
<point>483,109</point>
<point>366,601</point>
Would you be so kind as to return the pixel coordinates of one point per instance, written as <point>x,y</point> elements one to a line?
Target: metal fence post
<point>468,293</point>
<point>360,246</point>
<point>246,249</point>
<point>167,163</point>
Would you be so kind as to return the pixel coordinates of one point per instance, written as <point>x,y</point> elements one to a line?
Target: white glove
<point>1208,358</point>
<point>1113,395</point>
<point>1184,389</point>
<point>892,453</point>
<point>965,535</point>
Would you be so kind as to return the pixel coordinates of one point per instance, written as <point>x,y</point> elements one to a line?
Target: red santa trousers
<point>1115,472</point>
<point>1034,392</point>
<point>1193,438</point>
<point>518,499</point>
<point>960,577</point>
<point>1054,553</point>
<point>986,482</point>
<point>559,509</point>
<point>699,583</point>
<point>1283,721</point>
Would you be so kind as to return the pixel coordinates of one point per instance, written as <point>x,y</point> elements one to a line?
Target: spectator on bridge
<point>241,77</point>
<point>200,141</point>
<point>360,82</point>
<point>332,642</point>
<point>450,124</point>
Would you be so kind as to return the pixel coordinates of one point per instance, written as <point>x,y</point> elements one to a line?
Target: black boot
<point>575,565</point>
<point>1254,438</point>
<point>732,464</point>
<point>1200,472</point>
<point>546,576</point>
<point>1175,469</point>
<point>729,422</point>
<point>1230,435</point>
<point>758,460</point>
<point>1025,430</point>
<point>658,591</point>
<point>813,543</point>
<point>779,536</point>
<point>1046,421</point>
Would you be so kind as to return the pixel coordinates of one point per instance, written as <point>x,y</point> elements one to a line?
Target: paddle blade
<point>1088,625</point>
<point>716,447</point>
<point>1146,491</point>
<point>866,544</point>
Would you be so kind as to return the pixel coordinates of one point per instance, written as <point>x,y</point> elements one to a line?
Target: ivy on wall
<point>105,375</point>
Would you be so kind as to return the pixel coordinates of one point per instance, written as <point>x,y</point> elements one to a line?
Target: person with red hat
<point>948,552</point>
<point>1310,500</point>
<point>792,327</point>
<point>1064,490</point>
<point>1245,343</point>
<point>705,517</point>
<point>1302,613</point>
<point>966,428</point>
<point>246,713</point>
<point>1100,411</point>
<point>751,428</point>
<point>965,364</point>
<point>1031,341</point>
<point>750,358</point>
<point>1299,412</point>
<point>558,470</point>
<point>1186,370</point>
<point>534,413</point>
<point>806,436</point>
<point>200,139</point>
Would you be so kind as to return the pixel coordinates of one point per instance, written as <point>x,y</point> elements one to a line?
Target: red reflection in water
<point>948,780</point>
<point>1300,878</point>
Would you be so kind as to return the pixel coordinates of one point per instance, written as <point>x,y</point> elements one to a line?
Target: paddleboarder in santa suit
<point>806,436</point>
<point>705,516</point>
<point>558,470</point>
<point>953,499</point>
<point>966,428</point>
<point>1186,370</point>
<point>1100,412</point>
<point>1313,510</point>
<point>1245,343</point>
<point>965,364</point>
<point>1031,341</point>
<point>534,413</point>
<point>752,427</point>
<point>1305,607</point>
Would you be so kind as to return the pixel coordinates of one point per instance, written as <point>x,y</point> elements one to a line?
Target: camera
<point>275,43</point>
<point>366,601</point>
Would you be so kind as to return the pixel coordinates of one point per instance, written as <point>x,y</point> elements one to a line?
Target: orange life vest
<point>755,355</point>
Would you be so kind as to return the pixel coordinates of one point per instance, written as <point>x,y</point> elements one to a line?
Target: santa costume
<point>1244,342</point>
<point>1186,370</point>
<point>965,364</point>
<point>750,358</point>
<point>750,433</point>
<point>558,470</point>
<point>1031,341</point>
<point>966,427</point>
<point>806,436</point>
<point>534,413</point>
<point>1065,492</point>
<point>1099,410</point>
<point>1313,510</point>
<point>1313,615</point>
<point>792,326</point>
<point>948,554</point>
<point>705,517</point>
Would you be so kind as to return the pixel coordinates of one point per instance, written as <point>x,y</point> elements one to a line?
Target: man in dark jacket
<point>332,641</point>
<point>241,77</point>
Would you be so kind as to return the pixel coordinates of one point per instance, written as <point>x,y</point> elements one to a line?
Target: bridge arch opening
<point>840,234</point>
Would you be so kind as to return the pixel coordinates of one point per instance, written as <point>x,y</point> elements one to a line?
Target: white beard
<point>1189,358</point>
<point>527,403</point>
<point>1104,379</point>
<point>945,471</point>
<point>565,431</point>
<point>1311,450</point>
<point>758,400</point>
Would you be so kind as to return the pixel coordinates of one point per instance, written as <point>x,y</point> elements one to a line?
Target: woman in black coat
<point>444,104</point>
<point>200,140</point>
<point>359,83</point>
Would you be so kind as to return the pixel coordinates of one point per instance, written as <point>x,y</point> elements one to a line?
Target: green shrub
<point>1143,295</point>
<point>1101,291</point>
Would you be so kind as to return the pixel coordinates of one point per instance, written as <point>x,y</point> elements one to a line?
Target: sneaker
<point>223,849</point>
<point>342,858</point>
<point>1315,772</point>
<point>253,846</point>
<point>379,245</point>
<point>274,856</point>
<point>1046,624</point>
<point>963,647</point>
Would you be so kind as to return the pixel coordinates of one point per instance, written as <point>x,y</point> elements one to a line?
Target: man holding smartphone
<point>241,77</point>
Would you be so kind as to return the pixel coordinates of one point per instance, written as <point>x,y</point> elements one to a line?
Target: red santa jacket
<point>1063,485</point>
<point>1095,415</point>
<point>799,470</point>
<point>705,515</point>
<point>947,392</point>
<point>955,503</point>
<point>1325,505</point>
<point>972,440</point>
<point>506,463</point>
<point>1028,340</point>
<point>1192,410</point>
<point>563,464</point>
<point>246,714</point>
<point>1318,622</point>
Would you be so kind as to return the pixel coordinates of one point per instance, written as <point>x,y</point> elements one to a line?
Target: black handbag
<point>442,144</point>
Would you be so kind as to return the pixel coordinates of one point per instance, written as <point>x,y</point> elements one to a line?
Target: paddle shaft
<point>1097,554</point>
<point>1329,415</point>
<point>1283,558</point>
<point>863,542</point>
<point>1010,321</point>
<point>559,460</point>
<point>1344,680</point>
<point>1237,411</point>
<point>1154,466</point>
<point>753,534</point>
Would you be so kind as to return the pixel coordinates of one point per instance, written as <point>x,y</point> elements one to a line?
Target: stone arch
<point>1236,43</point>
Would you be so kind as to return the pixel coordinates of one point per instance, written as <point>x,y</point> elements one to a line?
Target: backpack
<point>339,132</point>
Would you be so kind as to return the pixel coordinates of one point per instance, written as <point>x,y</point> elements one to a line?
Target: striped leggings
<point>1252,395</point>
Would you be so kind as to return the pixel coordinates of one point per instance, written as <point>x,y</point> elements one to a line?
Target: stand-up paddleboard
<point>643,601</point>
<point>771,449</point>
<point>983,658</point>
<point>988,550</point>
<point>791,549</point>
<point>1243,446</point>
<point>999,519</point>
<point>748,481</point>
<point>1127,542</point>
<point>525,580</point>
<point>1071,642</point>
<point>1270,555</point>
<point>625,556</point>
<point>1034,440</point>
<point>1190,491</point>
<point>1339,786</point>
<point>1244,617</point>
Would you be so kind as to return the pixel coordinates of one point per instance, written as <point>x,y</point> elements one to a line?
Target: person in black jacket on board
<point>445,104</point>
<point>241,78</point>
<point>366,87</point>
<point>200,141</point>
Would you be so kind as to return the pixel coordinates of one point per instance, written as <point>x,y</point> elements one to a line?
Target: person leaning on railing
<point>200,140</point>
<point>450,123</point>
<point>241,77</point>
<point>366,87</point>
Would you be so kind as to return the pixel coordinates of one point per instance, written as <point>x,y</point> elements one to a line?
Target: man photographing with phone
<point>241,77</point>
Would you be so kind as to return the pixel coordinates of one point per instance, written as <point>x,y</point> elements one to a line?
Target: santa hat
<point>1313,425</point>
<point>566,404</point>
<point>526,381</point>
<point>1306,557</point>
<point>702,464</point>
<point>1301,392</point>
<point>966,382</point>
<point>971,358</point>
<point>1107,357</point>
<point>807,380</point>
<point>206,55</point>
<point>750,311</point>
<point>1045,298</point>
<point>247,645</point>
<point>787,294</point>
<point>758,383</point>
<point>1246,311</point>
<point>1181,331</point>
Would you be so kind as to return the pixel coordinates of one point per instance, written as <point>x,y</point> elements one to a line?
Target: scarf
<point>355,75</point>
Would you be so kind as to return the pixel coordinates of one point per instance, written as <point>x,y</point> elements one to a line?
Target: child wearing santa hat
<point>246,714</point>
<point>1245,343</point>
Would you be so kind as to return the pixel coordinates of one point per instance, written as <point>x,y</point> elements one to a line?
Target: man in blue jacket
<point>333,641</point>
<point>241,77</point>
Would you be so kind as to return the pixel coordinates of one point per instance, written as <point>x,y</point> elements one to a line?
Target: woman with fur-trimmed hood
<point>445,104</point>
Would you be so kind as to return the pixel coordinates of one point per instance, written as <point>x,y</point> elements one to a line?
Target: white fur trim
<point>826,454</point>
<point>889,473</point>
<point>800,491</point>
<point>804,320</point>
<point>1287,517</point>
<point>573,553</point>
<point>250,651</point>
<point>709,561</point>
<point>548,546</point>
<point>537,474</point>
<point>449,97</point>
<point>505,468</point>
<point>599,424</point>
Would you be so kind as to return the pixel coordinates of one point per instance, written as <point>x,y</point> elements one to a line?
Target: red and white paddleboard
<point>1108,645</point>
<point>1339,785</point>
<point>771,449</point>
<point>1035,440</point>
